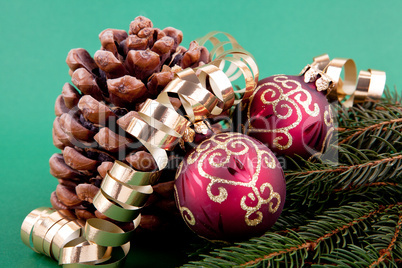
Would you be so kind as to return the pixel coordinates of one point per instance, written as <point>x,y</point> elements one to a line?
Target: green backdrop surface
<point>35,37</point>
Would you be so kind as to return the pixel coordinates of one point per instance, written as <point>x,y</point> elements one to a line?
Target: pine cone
<point>93,112</point>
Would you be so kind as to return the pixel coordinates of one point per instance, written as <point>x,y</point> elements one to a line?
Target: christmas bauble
<point>230,187</point>
<point>289,116</point>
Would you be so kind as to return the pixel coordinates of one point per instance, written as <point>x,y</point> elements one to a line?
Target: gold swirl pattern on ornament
<point>278,96</point>
<point>185,212</point>
<point>204,91</point>
<point>187,215</point>
<point>251,210</point>
<point>207,153</point>
<point>369,87</point>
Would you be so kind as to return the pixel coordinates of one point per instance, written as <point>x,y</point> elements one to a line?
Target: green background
<point>35,37</point>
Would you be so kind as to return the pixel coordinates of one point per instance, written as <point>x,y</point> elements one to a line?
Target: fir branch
<point>382,245</point>
<point>356,164</point>
<point>381,192</point>
<point>381,137</point>
<point>375,184</point>
<point>359,131</point>
<point>362,171</point>
<point>318,185</point>
<point>321,236</point>
<point>290,221</point>
<point>359,167</point>
<point>392,97</point>
<point>373,125</point>
<point>385,253</point>
<point>361,117</point>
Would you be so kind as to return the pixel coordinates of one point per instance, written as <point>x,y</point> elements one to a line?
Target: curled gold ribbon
<point>73,242</point>
<point>204,91</point>
<point>353,89</point>
<point>241,62</point>
<point>46,231</point>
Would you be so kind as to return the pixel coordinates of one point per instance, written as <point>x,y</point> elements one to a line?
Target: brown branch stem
<point>389,105</point>
<point>287,231</point>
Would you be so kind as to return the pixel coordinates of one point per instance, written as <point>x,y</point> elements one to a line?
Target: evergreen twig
<point>381,248</point>
<point>386,253</point>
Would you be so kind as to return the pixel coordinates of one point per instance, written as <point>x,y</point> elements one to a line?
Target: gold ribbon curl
<point>73,242</point>
<point>353,89</point>
<point>204,91</point>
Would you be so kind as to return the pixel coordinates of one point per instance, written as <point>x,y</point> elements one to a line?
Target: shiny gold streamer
<point>203,91</point>
<point>73,242</point>
<point>353,89</point>
<point>241,62</point>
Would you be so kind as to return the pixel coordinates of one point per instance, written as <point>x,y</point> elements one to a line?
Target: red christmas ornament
<point>289,116</point>
<point>230,187</point>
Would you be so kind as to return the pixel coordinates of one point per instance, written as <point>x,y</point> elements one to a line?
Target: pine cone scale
<point>80,58</point>
<point>108,63</point>
<point>86,83</point>
<point>94,111</point>
<point>70,96</point>
<point>77,161</point>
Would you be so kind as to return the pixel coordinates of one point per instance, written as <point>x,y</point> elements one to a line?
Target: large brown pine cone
<point>93,112</point>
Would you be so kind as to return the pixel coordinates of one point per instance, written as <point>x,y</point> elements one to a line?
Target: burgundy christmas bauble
<point>289,116</point>
<point>230,187</point>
